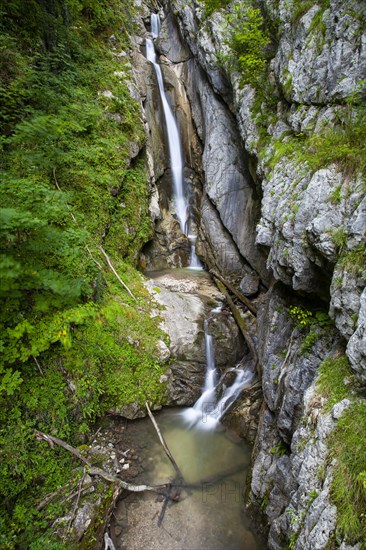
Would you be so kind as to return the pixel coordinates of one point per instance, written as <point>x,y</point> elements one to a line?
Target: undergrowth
<point>347,445</point>
<point>73,343</point>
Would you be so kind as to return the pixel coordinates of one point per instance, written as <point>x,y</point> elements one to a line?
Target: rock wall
<point>273,227</point>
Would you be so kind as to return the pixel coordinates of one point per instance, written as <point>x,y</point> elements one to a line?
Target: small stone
<point>340,407</point>
<point>249,284</point>
<point>125,466</point>
<point>87,481</point>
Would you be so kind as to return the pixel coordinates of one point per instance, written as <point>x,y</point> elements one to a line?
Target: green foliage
<point>347,445</point>
<point>332,373</point>
<point>354,261</point>
<point>312,323</point>
<point>73,343</point>
<point>214,5</point>
<point>340,238</point>
<point>343,144</point>
<point>303,317</point>
<point>248,40</point>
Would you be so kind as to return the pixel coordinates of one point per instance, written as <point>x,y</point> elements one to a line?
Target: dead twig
<point>93,471</point>
<point>165,446</point>
<point>115,272</point>
<point>38,365</point>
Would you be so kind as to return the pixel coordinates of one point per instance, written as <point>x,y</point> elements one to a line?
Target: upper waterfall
<point>181,202</point>
<point>175,150</point>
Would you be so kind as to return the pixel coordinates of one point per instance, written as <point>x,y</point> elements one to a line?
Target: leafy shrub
<point>248,40</point>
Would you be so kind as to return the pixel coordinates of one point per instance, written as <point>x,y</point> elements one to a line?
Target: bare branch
<point>115,272</point>
<point>165,446</point>
<point>38,365</point>
<point>52,441</point>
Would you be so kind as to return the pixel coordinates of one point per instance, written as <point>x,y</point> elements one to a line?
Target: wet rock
<point>244,416</point>
<point>169,42</point>
<point>130,411</point>
<point>249,285</point>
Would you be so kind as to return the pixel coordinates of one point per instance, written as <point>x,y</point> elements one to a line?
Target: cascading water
<point>209,409</point>
<point>175,150</point>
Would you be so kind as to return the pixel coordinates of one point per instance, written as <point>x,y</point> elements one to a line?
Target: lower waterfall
<point>217,397</point>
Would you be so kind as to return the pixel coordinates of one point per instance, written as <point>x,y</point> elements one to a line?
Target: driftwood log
<point>241,324</point>
<point>243,299</point>
<point>93,471</point>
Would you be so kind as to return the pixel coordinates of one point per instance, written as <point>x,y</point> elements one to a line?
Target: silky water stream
<point>213,460</point>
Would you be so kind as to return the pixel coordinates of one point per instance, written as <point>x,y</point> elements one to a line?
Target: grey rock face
<point>356,349</point>
<point>169,42</point>
<point>216,245</point>
<point>227,181</point>
<point>249,285</point>
<point>291,443</point>
<point>323,55</point>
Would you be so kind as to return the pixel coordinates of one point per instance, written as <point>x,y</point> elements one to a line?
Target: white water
<point>176,161</point>
<point>175,150</point>
<point>208,409</point>
<point>155,25</point>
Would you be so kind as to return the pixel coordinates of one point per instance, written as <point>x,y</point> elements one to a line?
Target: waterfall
<point>209,409</point>
<point>155,25</point>
<point>175,150</point>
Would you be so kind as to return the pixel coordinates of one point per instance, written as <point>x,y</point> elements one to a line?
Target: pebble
<point>125,466</point>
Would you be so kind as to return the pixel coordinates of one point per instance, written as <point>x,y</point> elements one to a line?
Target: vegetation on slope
<point>73,341</point>
<point>346,447</point>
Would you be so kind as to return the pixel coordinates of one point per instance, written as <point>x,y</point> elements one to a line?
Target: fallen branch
<point>81,481</point>
<point>52,441</point>
<point>244,300</point>
<point>175,488</point>
<point>241,324</point>
<point>115,272</point>
<point>165,446</point>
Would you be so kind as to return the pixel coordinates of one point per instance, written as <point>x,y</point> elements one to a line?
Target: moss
<point>348,492</point>
<point>347,445</point>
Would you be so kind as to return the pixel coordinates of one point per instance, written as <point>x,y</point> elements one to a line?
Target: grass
<point>343,145</point>
<point>330,382</point>
<point>347,444</point>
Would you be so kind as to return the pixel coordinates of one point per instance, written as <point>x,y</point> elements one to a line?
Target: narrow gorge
<point>212,265</point>
<point>272,222</point>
